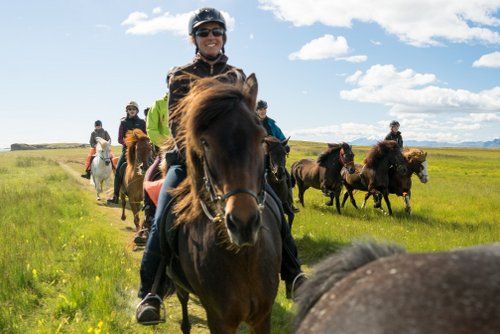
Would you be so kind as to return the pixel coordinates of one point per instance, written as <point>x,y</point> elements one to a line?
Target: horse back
<point>309,172</point>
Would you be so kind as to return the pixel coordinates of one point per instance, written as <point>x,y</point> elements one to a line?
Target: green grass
<point>66,264</point>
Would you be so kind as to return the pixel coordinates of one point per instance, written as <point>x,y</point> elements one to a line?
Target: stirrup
<point>162,310</point>
<point>292,293</point>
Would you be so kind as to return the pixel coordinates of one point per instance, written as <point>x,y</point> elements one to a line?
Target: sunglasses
<point>217,32</point>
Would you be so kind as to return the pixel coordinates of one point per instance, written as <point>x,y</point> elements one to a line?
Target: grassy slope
<point>55,279</point>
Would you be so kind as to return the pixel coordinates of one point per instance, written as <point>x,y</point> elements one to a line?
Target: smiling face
<point>209,46</point>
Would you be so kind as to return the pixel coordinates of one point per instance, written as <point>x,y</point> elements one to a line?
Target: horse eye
<point>204,143</point>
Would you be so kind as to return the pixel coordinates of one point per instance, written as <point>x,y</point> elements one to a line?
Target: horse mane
<point>208,99</point>
<point>414,155</point>
<point>104,143</point>
<point>168,145</point>
<point>378,151</point>
<point>334,268</point>
<point>332,148</point>
<point>131,138</point>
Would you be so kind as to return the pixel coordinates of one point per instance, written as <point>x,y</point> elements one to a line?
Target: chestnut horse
<point>138,160</point>
<point>277,175</point>
<point>373,177</point>
<point>324,173</point>
<point>378,289</point>
<point>228,242</point>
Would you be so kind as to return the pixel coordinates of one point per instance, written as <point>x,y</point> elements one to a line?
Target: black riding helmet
<point>261,104</point>
<point>204,15</point>
<point>394,123</point>
<point>98,123</point>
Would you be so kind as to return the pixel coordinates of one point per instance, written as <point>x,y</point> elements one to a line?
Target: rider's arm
<point>107,137</point>
<point>153,124</point>
<point>92,141</point>
<point>120,134</point>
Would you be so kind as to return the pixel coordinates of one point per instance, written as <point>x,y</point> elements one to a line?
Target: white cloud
<point>375,42</point>
<point>157,10</point>
<point>141,24</point>
<point>252,36</point>
<point>407,91</point>
<point>419,23</point>
<point>103,26</point>
<point>327,46</point>
<point>488,60</point>
<point>354,59</point>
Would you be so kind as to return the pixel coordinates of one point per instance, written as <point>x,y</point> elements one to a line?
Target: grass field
<point>67,264</point>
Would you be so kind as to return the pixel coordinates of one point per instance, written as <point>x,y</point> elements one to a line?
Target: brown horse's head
<point>346,156</point>
<point>417,163</point>
<point>276,151</point>
<point>225,157</point>
<point>138,151</point>
<point>386,152</point>
<point>337,154</point>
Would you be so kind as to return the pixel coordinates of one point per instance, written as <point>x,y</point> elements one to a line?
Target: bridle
<point>219,201</point>
<point>275,176</point>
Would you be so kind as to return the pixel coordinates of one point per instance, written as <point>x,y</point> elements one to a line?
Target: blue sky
<point>330,71</point>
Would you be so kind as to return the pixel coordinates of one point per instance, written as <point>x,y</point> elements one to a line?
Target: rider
<point>130,122</point>
<point>158,132</point>
<point>98,132</point>
<point>395,134</point>
<point>273,129</point>
<point>207,28</point>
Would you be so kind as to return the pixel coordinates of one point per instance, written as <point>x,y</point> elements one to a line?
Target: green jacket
<point>157,122</point>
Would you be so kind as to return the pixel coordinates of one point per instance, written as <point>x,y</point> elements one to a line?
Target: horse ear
<point>285,142</point>
<point>330,145</point>
<point>250,89</point>
<point>425,155</point>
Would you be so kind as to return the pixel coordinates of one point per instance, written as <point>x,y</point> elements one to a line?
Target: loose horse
<point>229,245</point>
<point>100,167</point>
<point>138,159</point>
<point>277,175</point>
<point>378,289</point>
<point>324,173</point>
<point>373,177</point>
<point>400,185</point>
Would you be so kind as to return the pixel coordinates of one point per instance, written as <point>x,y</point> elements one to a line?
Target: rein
<point>219,201</point>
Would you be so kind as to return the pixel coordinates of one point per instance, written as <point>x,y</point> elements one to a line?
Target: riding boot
<point>86,175</point>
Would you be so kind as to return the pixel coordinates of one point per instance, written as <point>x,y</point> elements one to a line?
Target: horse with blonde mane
<point>228,245</point>
<point>138,159</point>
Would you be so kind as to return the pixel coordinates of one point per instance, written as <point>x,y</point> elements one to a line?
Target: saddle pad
<point>153,189</point>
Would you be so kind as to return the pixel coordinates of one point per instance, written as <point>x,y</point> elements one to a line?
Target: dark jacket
<point>272,129</point>
<point>396,137</point>
<point>179,86</point>
<point>98,133</point>
<point>128,124</point>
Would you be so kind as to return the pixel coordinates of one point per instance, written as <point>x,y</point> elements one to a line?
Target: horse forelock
<point>336,267</point>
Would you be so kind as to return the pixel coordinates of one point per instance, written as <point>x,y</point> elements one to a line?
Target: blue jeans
<point>152,253</point>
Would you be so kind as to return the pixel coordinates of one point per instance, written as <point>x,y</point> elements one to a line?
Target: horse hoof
<point>123,217</point>
<point>328,204</point>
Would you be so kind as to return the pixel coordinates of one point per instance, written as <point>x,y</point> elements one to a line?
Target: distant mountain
<point>495,143</point>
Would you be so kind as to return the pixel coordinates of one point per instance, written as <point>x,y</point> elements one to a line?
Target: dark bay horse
<point>277,175</point>
<point>324,173</point>
<point>379,289</point>
<point>400,185</point>
<point>229,244</point>
<point>138,159</point>
<point>373,177</point>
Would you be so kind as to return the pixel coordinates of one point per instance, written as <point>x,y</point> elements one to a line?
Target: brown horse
<point>373,177</point>
<point>138,160</point>
<point>378,289</point>
<point>277,175</point>
<point>324,173</point>
<point>229,244</point>
<point>400,185</point>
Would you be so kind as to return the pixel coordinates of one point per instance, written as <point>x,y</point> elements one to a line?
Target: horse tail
<point>292,179</point>
<point>293,171</point>
<point>337,266</point>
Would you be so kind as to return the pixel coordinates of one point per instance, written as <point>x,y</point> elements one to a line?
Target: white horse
<point>100,168</point>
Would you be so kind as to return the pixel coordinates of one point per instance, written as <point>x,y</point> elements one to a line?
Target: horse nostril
<point>230,222</point>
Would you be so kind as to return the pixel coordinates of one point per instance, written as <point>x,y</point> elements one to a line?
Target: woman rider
<point>98,132</point>
<point>130,122</point>
<point>207,28</point>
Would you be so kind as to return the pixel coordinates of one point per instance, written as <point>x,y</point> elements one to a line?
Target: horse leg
<point>353,201</point>
<point>302,190</point>
<point>124,203</point>
<point>346,195</point>
<point>337,200</point>
<point>407,197</point>
<point>263,327</point>
<point>183,297</point>
<point>331,194</point>
<point>387,202</point>
<point>219,326</point>
<point>135,206</point>
<point>367,195</point>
